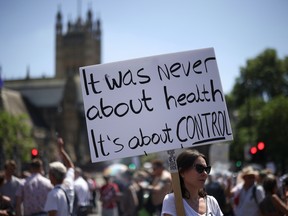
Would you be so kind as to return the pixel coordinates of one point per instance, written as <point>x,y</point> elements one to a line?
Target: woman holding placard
<point>193,172</point>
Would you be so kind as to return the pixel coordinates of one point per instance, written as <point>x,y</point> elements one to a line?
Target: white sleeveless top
<point>169,207</point>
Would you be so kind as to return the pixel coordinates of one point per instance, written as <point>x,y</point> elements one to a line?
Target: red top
<point>108,195</point>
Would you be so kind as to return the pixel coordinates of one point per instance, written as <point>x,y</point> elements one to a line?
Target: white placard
<point>153,104</point>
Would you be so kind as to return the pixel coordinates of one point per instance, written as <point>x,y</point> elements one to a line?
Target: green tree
<point>15,137</point>
<point>272,130</point>
<point>263,79</point>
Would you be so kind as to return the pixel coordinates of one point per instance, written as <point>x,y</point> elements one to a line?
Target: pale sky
<point>238,30</point>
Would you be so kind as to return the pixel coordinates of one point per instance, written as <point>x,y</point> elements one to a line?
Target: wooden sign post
<point>176,183</point>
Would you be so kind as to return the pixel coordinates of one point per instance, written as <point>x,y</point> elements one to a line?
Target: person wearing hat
<point>248,194</point>
<point>60,199</point>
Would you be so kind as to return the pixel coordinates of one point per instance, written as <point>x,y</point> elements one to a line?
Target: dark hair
<point>269,183</point>
<point>2,177</point>
<point>185,161</point>
<point>158,163</point>
<point>10,163</point>
<point>78,171</point>
<point>36,164</point>
<point>285,182</point>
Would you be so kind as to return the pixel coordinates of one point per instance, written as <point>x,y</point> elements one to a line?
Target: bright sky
<point>238,30</point>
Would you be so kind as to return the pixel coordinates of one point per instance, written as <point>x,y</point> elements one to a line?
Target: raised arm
<point>65,157</point>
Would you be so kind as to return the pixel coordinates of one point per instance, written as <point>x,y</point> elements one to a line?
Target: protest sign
<point>154,104</point>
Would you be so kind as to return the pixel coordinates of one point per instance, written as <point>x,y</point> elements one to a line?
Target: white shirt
<point>247,204</point>
<point>82,191</point>
<point>9,188</point>
<point>169,207</point>
<point>56,198</point>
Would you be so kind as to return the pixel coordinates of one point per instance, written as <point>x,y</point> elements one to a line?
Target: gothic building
<point>55,104</point>
<point>79,46</point>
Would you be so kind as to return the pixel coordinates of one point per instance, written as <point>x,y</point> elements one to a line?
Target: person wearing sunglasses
<point>193,172</point>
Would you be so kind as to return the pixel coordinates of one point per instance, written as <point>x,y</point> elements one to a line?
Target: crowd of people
<point>138,193</point>
<point>65,190</point>
<point>250,192</point>
<point>62,191</point>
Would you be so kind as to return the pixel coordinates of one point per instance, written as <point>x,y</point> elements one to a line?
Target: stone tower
<point>79,46</point>
<point>55,104</point>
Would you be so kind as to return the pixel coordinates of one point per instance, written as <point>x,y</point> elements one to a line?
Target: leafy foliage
<point>272,129</point>
<point>15,136</point>
<point>258,105</point>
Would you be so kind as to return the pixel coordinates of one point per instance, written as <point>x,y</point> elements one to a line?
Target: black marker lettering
<point>199,127</point>
<point>121,109</point>
<point>146,78</point>
<point>197,96</point>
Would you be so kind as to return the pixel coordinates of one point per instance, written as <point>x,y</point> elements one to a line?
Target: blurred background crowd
<point>120,190</point>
